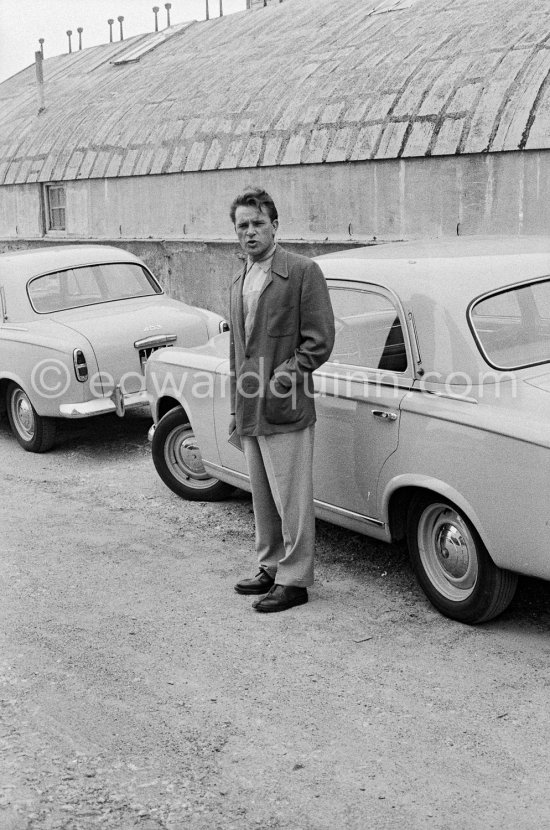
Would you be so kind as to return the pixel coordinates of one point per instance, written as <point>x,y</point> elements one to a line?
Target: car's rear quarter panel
<point>501,482</point>
<point>40,361</point>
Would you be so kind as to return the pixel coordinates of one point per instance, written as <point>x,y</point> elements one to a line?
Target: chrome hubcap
<point>452,551</point>
<point>23,415</point>
<point>448,551</point>
<point>183,458</point>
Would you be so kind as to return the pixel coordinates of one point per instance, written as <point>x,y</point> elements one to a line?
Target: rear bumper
<point>118,403</point>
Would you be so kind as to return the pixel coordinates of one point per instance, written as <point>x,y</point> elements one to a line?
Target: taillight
<point>80,365</point>
<point>224,326</point>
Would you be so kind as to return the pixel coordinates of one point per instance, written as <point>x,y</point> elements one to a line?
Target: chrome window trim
<point>495,293</point>
<point>376,288</point>
<point>150,276</point>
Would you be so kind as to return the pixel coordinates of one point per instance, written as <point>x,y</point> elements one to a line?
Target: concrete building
<point>367,120</point>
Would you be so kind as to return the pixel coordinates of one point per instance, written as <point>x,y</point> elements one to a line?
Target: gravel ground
<point>139,691</point>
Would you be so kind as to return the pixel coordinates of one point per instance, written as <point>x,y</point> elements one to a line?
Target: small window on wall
<point>54,198</point>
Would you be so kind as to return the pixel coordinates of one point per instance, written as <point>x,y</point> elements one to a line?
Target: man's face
<point>255,230</point>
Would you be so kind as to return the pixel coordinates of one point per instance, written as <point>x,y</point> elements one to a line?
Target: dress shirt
<point>254,281</point>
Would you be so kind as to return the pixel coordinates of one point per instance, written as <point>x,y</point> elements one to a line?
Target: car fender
<point>49,379</point>
<point>46,404</point>
<point>7,377</point>
<point>439,487</point>
<point>176,373</point>
<point>201,418</point>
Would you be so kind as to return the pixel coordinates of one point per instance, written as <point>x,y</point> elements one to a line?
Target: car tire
<point>452,564</point>
<point>178,460</point>
<point>34,432</point>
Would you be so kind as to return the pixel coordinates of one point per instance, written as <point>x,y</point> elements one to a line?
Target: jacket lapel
<point>279,266</point>
<point>237,292</point>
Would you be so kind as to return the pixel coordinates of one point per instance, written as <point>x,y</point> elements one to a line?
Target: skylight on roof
<point>134,53</point>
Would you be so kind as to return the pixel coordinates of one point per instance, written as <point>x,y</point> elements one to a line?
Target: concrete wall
<point>195,272</point>
<point>179,223</point>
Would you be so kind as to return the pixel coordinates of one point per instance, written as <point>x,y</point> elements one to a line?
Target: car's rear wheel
<point>34,432</point>
<point>178,460</point>
<point>452,564</point>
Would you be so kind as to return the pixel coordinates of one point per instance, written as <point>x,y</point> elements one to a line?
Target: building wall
<point>180,224</point>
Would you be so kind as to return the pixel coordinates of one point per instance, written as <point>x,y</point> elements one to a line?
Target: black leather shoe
<point>281,597</point>
<point>261,583</point>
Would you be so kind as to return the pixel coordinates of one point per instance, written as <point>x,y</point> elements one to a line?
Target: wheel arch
<point>42,405</point>
<point>4,383</point>
<point>400,492</point>
<point>166,403</point>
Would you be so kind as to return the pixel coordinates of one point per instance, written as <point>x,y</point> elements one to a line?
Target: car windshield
<point>512,327</point>
<point>91,284</point>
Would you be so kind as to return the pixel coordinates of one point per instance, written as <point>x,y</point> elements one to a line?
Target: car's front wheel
<point>178,460</point>
<point>452,564</point>
<point>34,432</point>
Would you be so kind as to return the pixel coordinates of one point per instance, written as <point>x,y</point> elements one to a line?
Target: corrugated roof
<point>301,82</point>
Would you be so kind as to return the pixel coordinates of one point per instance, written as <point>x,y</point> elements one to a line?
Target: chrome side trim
<point>233,475</point>
<point>217,468</point>
<point>3,304</point>
<point>449,395</point>
<point>229,476</point>
<point>347,376</point>
<point>341,511</point>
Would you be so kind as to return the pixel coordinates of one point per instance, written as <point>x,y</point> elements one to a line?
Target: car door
<point>359,392</point>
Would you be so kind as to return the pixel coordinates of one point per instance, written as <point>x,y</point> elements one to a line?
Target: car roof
<point>461,267</point>
<point>34,261</point>
<point>436,280</point>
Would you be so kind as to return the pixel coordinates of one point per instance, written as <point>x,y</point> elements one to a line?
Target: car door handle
<point>384,414</point>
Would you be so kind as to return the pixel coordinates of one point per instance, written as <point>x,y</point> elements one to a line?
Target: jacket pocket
<point>282,405</point>
<point>281,322</point>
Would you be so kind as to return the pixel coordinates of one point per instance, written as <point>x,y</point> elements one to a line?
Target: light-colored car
<point>433,413</point>
<point>77,324</point>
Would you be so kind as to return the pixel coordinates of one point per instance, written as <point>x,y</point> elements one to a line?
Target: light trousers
<point>281,476</point>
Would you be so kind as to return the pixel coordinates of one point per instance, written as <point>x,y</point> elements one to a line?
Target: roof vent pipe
<point>168,6</point>
<point>41,42</point>
<point>69,35</point>
<point>120,18</point>
<point>156,13</point>
<point>80,30</point>
<point>207,11</point>
<point>221,8</point>
<point>39,59</point>
<point>110,22</point>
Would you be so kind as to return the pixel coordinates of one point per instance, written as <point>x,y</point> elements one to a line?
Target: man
<point>282,328</point>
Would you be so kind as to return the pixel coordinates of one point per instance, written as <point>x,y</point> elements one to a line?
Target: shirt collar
<point>264,263</point>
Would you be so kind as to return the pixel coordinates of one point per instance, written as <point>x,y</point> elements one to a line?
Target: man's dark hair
<point>257,198</point>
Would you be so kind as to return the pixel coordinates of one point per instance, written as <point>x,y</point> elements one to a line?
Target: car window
<point>75,287</point>
<point>368,330</point>
<point>512,328</point>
